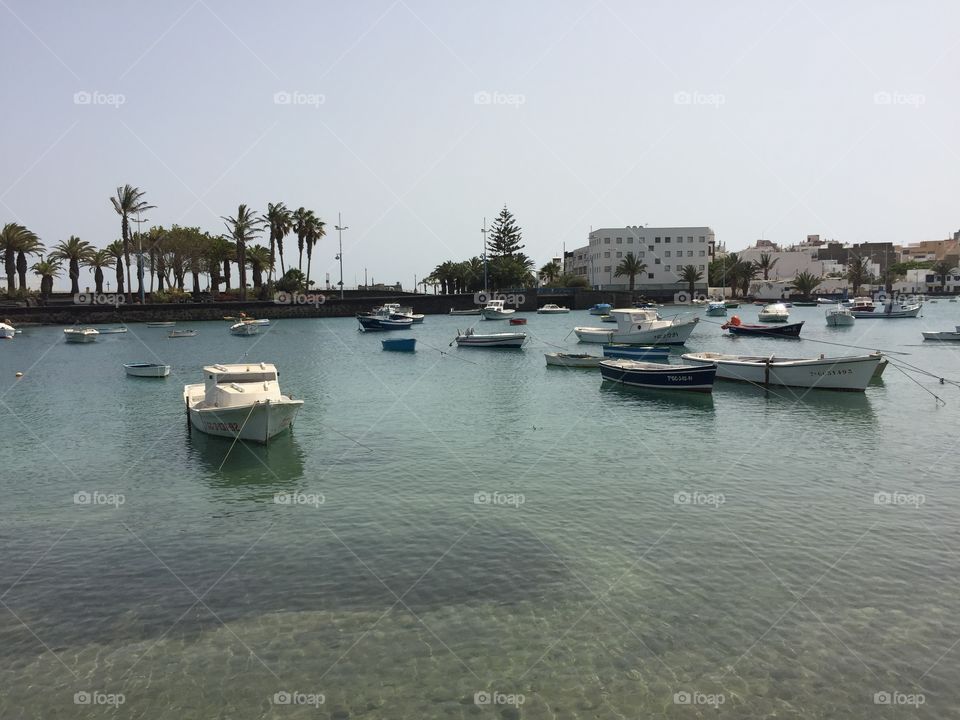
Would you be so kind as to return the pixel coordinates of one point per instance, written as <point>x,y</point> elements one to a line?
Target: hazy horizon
<point>418,119</point>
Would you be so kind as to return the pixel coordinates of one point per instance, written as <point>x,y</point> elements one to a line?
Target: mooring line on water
<point>252,407</point>
<point>920,385</point>
<point>449,355</point>
<point>366,447</point>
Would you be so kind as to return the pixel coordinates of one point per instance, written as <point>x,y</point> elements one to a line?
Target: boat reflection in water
<point>260,470</point>
<point>652,398</point>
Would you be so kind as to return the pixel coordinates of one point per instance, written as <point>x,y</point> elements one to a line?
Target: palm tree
<point>28,245</point>
<point>243,229</point>
<point>691,276</point>
<point>316,231</point>
<point>745,272</point>
<point>47,270</point>
<point>280,221</point>
<point>129,201</point>
<point>12,237</point>
<point>550,272</point>
<point>218,254</point>
<point>858,272</point>
<point>805,283</point>
<point>301,226</point>
<point>766,264</point>
<point>259,258</point>
<point>75,251</point>
<point>98,260</point>
<point>942,268</point>
<point>115,249</point>
<point>631,267</point>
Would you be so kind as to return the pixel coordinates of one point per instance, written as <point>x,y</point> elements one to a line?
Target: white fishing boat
<point>406,312</point>
<point>7,331</point>
<point>551,309</point>
<point>577,360</point>
<point>839,316</point>
<point>182,333</point>
<point>240,401</point>
<point>245,328</point>
<point>949,335</point>
<point>490,340</point>
<point>112,330</point>
<point>80,335</point>
<point>887,310</point>
<point>716,308</point>
<point>471,311</point>
<point>166,323</point>
<point>774,312</point>
<point>641,327</point>
<point>262,321</point>
<point>494,310</point>
<point>834,373</point>
<point>151,370</point>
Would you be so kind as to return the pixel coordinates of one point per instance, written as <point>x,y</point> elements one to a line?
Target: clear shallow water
<point>399,596</point>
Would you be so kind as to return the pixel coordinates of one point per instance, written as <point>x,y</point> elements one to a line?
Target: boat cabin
<point>242,384</point>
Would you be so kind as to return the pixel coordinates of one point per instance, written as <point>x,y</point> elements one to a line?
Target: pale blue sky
<point>759,119</point>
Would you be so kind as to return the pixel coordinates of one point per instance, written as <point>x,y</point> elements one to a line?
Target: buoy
<point>19,374</point>
<point>735,320</point>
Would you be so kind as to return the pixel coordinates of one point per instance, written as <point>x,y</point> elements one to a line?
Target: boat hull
<point>487,314</point>
<point>257,423</point>
<point>79,336</point>
<point>475,311</point>
<point>841,319</point>
<point>669,334</point>
<point>245,329</point>
<point>553,311</point>
<point>400,344</point>
<point>160,324</point>
<point>573,360</point>
<point>692,378</point>
<point>147,370</point>
<point>112,330</point>
<point>790,330</point>
<point>943,336</point>
<point>839,373</point>
<point>908,312</point>
<point>637,352</point>
<point>7,331</point>
<point>500,340</point>
<point>381,323</point>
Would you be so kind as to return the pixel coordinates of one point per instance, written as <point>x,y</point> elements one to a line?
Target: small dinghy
<point>150,370</point>
<point>944,335</point>
<point>577,360</point>
<point>472,311</point>
<point>80,335</point>
<point>244,329</point>
<point>400,344</point>
<point>182,333</point>
<point>518,321</point>
<point>164,324</point>
<point>111,330</point>
<point>490,340</point>
<point>552,309</point>
<point>696,378</point>
<point>737,327</point>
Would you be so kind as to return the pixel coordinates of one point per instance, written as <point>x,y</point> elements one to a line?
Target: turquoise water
<point>782,590</point>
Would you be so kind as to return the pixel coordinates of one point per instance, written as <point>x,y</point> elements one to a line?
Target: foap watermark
<point>499,498</point>
<point>295,697</point>
<point>95,97</point>
<point>96,697</point>
<point>914,500</point>
<point>484,298</point>
<point>695,497</point>
<point>882,297</point>
<point>298,498</point>
<point>894,97</point>
<point>695,97</point>
<point>298,298</point>
<point>492,697</point>
<point>295,97</point>
<point>685,298</point>
<point>894,697</point>
<point>694,697</point>
<point>97,498</point>
<point>486,97</point>
<point>87,298</point>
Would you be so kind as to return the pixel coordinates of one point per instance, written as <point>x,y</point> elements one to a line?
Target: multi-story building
<point>932,250</point>
<point>664,250</point>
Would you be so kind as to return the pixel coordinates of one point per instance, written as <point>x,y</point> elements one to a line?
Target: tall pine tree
<point>504,237</point>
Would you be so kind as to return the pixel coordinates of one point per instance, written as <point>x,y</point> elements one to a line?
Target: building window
<point>619,254</point>
<point>629,241</point>
<point>666,239</point>
<point>666,253</point>
<point>650,248</point>
<point>690,239</point>
<point>689,253</point>
<point>656,239</point>
<point>606,241</point>
<point>619,241</point>
<point>702,253</point>
<point>649,276</point>
<point>702,267</point>
<point>642,253</point>
<point>606,268</point>
<point>656,261</point>
<point>606,254</point>
<point>702,239</point>
<point>667,268</point>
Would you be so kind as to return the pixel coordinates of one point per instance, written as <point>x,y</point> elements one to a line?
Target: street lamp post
<point>140,257</point>
<point>340,229</point>
<point>484,231</point>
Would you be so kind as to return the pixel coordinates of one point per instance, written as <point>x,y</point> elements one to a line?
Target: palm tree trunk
<point>119,276</point>
<point>22,269</point>
<point>125,233</point>
<point>74,276</point>
<point>280,253</point>
<point>10,267</point>
<point>98,280</point>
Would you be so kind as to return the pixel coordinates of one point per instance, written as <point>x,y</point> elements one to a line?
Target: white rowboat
<point>150,370</point>
<point>490,340</point>
<point>837,373</point>
<point>551,309</point>
<point>80,335</point>
<point>579,360</point>
<point>245,328</point>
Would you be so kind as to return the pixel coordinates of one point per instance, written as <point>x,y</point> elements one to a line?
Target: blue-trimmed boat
<point>637,352</point>
<point>600,309</point>
<point>400,344</point>
<point>790,330</point>
<point>696,378</point>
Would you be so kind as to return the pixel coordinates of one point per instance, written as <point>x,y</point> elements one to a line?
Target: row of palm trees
<point>506,271</point>
<point>170,253</point>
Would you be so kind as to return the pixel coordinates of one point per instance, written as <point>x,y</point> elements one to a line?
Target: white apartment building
<point>663,250</point>
<point>792,260</point>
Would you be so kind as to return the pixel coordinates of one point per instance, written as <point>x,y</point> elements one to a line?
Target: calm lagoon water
<point>670,556</point>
